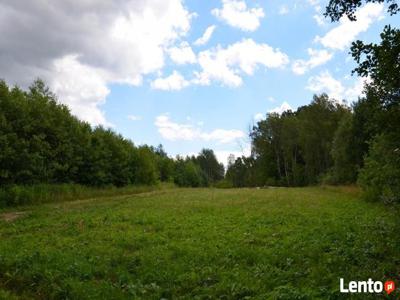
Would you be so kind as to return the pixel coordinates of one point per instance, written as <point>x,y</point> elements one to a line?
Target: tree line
<point>330,142</point>
<point>292,148</point>
<point>42,142</point>
<point>326,141</point>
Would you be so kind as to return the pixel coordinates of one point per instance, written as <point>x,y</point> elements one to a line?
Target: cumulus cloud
<point>173,131</point>
<point>237,14</point>
<point>342,35</point>
<point>206,36</point>
<point>81,87</point>
<point>317,58</point>
<point>326,83</point>
<point>118,40</point>
<point>134,118</point>
<point>183,54</point>
<point>226,65</point>
<point>173,82</point>
<point>258,117</point>
<point>280,109</point>
<point>277,110</point>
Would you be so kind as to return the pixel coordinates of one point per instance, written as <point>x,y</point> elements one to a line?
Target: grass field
<point>199,244</point>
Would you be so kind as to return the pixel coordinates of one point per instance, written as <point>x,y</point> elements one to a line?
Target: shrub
<point>380,177</point>
<point>224,184</point>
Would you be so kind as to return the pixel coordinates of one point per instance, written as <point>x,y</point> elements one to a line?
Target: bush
<point>223,184</point>
<point>380,177</point>
<point>188,174</point>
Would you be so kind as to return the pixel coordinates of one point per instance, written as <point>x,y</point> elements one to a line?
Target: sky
<point>185,74</point>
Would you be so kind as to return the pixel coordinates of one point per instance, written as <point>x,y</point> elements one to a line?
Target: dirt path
<point>12,216</point>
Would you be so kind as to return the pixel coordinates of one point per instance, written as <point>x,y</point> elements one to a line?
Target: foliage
<point>344,152</point>
<point>201,170</point>
<point>16,195</point>
<point>244,172</point>
<point>200,244</point>
<point>338,8</point>
<point>208,163</point>
<point>42,142</point>
<point>291,149</point>
<point>145,168</point>
<point>380,177</point>
<point>223,184</point>
<point>376,119</point>
<point>188,173</point>
<point>380,62</point>
<point>165,164</point>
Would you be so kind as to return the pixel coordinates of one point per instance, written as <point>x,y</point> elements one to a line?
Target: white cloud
<point>134,118</point>
<point>182,54</point>
<point>223,155</point>
<point>144,34</point>
<point>222,136</point>
<point>280,109</point>
<point>174,131</point>
<point>313,2</point>
<point>325,83</point>
<point>319,19</point>
<point>173,82</point>
<point>108,41</point>
<point>283,10</point>
<point>258,117</point>
<point>342,35</point>
<point>352,93</point>
<point>277,110</point>
<point>317,58</point>
<point>226,65</point>
<point>206,36</point>
<point>237,14</point>
<point>82,88</point>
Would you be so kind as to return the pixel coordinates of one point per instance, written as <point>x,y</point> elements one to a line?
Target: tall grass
<point>15,195</point>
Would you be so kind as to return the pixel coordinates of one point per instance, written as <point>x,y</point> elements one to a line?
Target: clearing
<point>284,243</point>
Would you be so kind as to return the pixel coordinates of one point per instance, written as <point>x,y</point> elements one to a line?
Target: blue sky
<point>154,75</point>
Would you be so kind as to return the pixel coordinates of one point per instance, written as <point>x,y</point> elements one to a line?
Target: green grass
<point>18,195</point>
<point>283,243</point>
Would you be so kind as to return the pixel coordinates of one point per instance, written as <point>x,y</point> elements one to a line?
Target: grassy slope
<point>277,243</point>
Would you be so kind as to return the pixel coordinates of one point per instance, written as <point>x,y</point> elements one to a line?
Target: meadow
<point>276,243</point>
